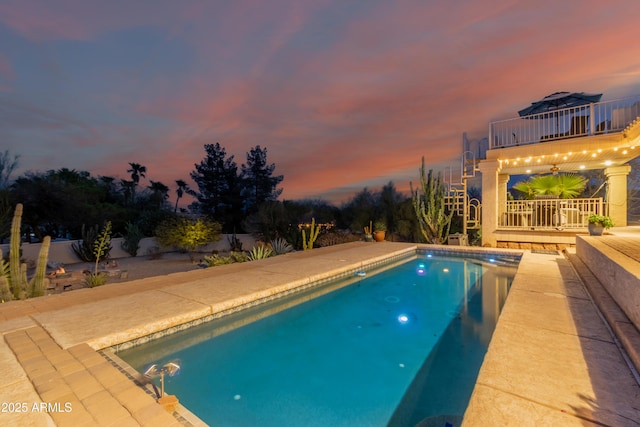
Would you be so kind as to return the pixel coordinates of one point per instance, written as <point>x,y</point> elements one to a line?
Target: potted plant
<point>599,223</point>
<point>368,232</point>
<point>380,230</point>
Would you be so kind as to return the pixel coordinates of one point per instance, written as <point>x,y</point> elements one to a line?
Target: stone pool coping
<point>44,335</point>
<point>552,359</point>
<point>48,353</point>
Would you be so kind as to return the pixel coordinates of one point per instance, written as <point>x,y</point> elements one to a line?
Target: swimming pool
<point>388,349</point>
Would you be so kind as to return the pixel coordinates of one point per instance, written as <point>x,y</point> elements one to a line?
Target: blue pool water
<point>393,348</point>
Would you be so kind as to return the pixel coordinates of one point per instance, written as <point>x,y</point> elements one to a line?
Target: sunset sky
<point>343,94</point>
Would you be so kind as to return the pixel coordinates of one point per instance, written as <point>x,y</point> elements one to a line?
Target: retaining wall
<point>618,274</point>
<point>61,251</point>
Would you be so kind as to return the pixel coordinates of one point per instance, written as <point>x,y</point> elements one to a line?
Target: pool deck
<point>552,360</point>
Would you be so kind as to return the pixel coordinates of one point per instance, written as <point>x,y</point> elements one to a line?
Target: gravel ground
<point>133,268</point>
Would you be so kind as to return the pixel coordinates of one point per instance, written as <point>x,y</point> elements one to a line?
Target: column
<point>489,170</point>
<point>503,180</point>
<point>617,193</point>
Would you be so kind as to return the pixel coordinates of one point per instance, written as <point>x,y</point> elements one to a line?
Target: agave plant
<point>565,186</point>
<point>260,252</point>
<point>280,246</point>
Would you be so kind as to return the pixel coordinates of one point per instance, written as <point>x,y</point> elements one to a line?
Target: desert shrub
<point>84,248</point>
<point>280,246</point>
<point>131,242</point>
<point>215,259</point>
<point>234,243</point>
<point>239,256</point>
<point>187,234</point>
<point>260,252</point>
<point>98,279</point>
<point>336,238</point>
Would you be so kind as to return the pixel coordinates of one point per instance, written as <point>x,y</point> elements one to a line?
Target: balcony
<point>599,118</point>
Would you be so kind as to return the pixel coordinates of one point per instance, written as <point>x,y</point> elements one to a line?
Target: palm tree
<point>136,171</point>
<point>182,187</point>
<point>160,192</point>
<point>565,186</point>
<point>127,190</point>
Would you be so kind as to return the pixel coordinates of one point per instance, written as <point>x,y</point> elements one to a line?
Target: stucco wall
<point>60,251</point>
<point>619,274</point>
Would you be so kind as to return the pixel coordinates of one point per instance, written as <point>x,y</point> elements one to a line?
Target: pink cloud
<point>326,91</point>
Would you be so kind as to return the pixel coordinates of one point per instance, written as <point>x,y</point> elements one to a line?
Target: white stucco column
<point>617,193</point>
<point>503,180</point>
<point>490,189</point>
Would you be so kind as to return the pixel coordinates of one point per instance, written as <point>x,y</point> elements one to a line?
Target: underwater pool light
<point>403,319</point>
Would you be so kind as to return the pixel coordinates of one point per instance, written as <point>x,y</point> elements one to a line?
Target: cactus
<point>369,229</point>
<point>5,289</point>
<point>313,235</point>
<point>18,284</point>
<point>37,284</point>
<point>430,207</point>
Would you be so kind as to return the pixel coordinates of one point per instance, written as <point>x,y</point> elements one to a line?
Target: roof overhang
<point>570,155</point>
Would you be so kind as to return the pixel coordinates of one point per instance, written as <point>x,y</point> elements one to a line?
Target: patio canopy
<point>558,101</point>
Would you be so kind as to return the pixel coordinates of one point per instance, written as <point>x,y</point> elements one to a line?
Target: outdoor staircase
<point>456,199</point>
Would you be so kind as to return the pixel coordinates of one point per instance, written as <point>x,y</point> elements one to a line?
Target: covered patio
<point>555,221</point>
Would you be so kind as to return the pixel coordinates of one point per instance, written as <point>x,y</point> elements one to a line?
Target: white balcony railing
<point>585,120</point>
<point>549,214</point>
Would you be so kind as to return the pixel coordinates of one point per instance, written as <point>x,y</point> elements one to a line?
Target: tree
<point>565,186</point>
<point>182,188</point>
<point>430,207</point>
<point>187,234</point>
<point>159,193</point>
<point>219,189</point>
<point>7,166</point>
<point>360,210</point>
<point>60,201</point>
<point>258,181</point>
<point>127,188</point>
<point>137,171</point>
<point>389,206</point>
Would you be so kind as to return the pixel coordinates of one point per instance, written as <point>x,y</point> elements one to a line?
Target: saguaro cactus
<point>313,235</point>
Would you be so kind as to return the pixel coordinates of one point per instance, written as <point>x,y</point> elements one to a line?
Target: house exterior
<point>603,135</point>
